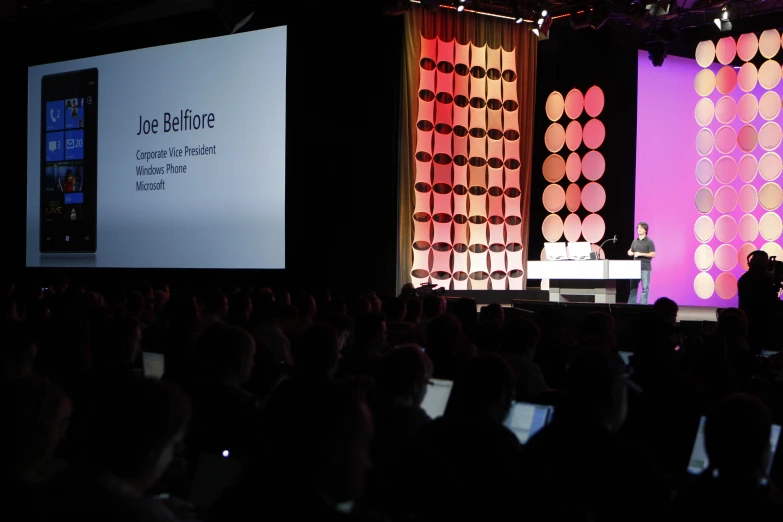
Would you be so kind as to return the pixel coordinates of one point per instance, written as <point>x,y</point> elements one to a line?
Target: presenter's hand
<point>637,254</point>
<point>631,252</point>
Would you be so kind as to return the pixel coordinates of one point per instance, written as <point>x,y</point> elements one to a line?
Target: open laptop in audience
<point>153,364</point>
<point>438,391</point>
<point>526,419</point>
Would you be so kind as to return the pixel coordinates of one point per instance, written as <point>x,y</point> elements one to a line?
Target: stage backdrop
<point>466,140</point>
<point>708,165</point>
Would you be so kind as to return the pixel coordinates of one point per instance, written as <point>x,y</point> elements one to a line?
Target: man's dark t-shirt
<point>644,246</point>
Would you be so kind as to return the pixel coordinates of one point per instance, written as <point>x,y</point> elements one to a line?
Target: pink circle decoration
<point>703,257</point>
<point>769,74</point>
<point>726,50</point>
<point>573,198</point>
<point>593,165</point>
<point>573,135</point>
<point>748,198</point>
<point>593,197</point>
<point>704,171</point>
<point>725,169</point>
<point>593,228</point>
<point>554,198</point>
<point>747,77</point>
<point>742,255</point>
<point>573,167</point>
<point>705,53</point>
<point>770,136</point>
<point>594,134</point>
<point>554,137</point>
<point>747,168</point>
<point>594,101</point>
<point>726,79</point>
<point>704,112</point>
<point>572,227</point>
<point>704,200</point>
<point>769,105</point>
<point>726,199</point>
<point>574,103</point>
<point>726,229</point>
<point>748,228</point>
<point>726,139</point>
<point>553,168</point>
<point>770,196</point>
<point>747,108</point>
<point>704,229</point>
<point>747,139</point>
<point>726,285</point>
<point>705,141</point>
<point>555,105</point>
<point>747,46</point>
<point>552,228</point>
<point>703,285</point>
<point>704,82</point>
<point>726,257</point>
<point>769,43</point>
<point>726,109</point>
<point>770,226</point>
<point>770,166</point>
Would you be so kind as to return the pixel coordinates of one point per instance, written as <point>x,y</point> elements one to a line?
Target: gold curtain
<point>481,30</point>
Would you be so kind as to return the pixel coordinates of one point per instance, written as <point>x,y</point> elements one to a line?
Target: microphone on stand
<point>612,239</point>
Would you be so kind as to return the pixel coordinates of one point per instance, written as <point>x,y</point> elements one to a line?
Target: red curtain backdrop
<point>468,97</point>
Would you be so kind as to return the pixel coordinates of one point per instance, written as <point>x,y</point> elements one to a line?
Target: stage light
<point>544,13</point>
<point>657,53</point>
<point>536,31</point>
<point>519,20</point>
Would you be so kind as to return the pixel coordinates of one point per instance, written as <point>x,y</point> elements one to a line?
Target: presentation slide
<point>165,157</point>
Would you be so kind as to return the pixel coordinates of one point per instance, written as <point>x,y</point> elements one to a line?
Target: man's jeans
<point>645,288</point>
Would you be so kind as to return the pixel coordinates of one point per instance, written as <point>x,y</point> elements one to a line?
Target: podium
<point>597,278</point>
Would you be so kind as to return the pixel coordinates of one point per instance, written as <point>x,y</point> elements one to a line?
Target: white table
<point>595,277</point>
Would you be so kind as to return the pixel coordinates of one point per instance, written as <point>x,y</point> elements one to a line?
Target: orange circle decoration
<point>770,136</point>
<point>770,196</point>
<point>726,79</point>
<point>703,257</point>
<point>747,108</point>
<point>742,255</point>
<point>725,169</point>
<point>705,53</point>
<point>572,227</point>
<point>770,226</point>
<point>726,199</point>
<point>726,139</point>
<point>573,136</point>
<point>747,168</point>
<point>554,198</point>
<point>769,43</point>
<point>726,285</point>
<point>574,103</point>
<point>773,249</point>
<point>770,166</point>
<point>555,105</point>
<point>704,171</point>
<point>726,257</point>
<point>704,229</point>
<point>554,168</point>
<point>573,198</point>
<point>552,228</point>
<point>747,139</point>
<point>726,109</point>
<point>703,285</point>
<point>704,112</point>
<point>747,77</point>
<point>769,105</point>
<point>726,229</point>
<point>554,137</point>
<point>748,228</point>
<point>594,101</point>
<point>704,82</point>
<point>705,141</point>
<point>704,200</point>
<point>747,46</point>
<point>748,198</point>
<point>593,228</point>
<point>593,165</point>
<point>726,50</point>
<point>573,167</point>
<point>594,134</point>
<point>593,197</point>
<point>769,74</point>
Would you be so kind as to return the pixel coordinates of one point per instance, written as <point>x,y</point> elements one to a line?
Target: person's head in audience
<point>160,300</point>
<point>18,351</point>
<point>216,304</point>
<point>434,306</point>
<point>316,352</point>
<point>465,311</point>
<point>596,388</point>
<point>336,306</point>
<point>667,308</point>
<point>359,306</point>
<point>119,346</point>
<point>229,353</point>
<point>286,316</point>
<point>135,305</point>
<point>376,306</point>
<point>520,337</point>
<point>655,351</point>
<point>240,305</point>
<point>282,296</point>
<point>483,391</point>
<point>183,312</point>
<point>343,325</point>
<point>414,310</point>
<point>395,310</point>
<point>492,313</point>
<point>135,432</point>
<point>305,303</point>
<point>403,376</point>
<point>370,333</point>
<point>598,329</point>
<point>733,325</point>
<point>736,438</point>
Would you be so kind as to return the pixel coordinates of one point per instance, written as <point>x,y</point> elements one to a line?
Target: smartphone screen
<point>69,160</point>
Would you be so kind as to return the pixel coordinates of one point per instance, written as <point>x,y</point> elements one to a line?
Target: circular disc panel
<point>747,108</point>
<point>553,168</point>
<point>748,228</point>
<point>748,198</point>
<point>593,228</point>
<point>747,168</point>
<point>574,103</point>
<point>704,82</point>
<point>573,167</point>
<point>554,137</point>
<point>704,112</point>
<point>725,169</point>
<point>704,200</point>
<point>704,229</point>
<point>593,165</point>
<point>703,257</point>
<point>769,105</point>
<point>594,101</point>
<point>593,197</point>
<point>726,229</point>
<point>704,171</point>
<point>705,53</point>
<point>726,79</point>
<point>594,134</point>
<point>770,166</point>
<point>769,43</point>
<point>747,46</point>
<point>726,285</point>
<point>703,285</point>
<point>555,105</point>
<point>726,50</point>
<point>769,74</point>
<point>726,109</point>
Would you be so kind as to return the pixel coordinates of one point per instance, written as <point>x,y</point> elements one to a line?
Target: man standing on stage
<point>643,249</point>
